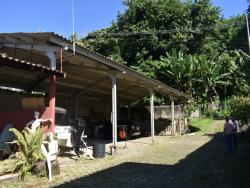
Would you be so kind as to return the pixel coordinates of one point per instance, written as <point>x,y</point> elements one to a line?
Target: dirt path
<point>197,160</point>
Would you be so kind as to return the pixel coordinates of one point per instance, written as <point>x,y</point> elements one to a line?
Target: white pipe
<point>52,56</point>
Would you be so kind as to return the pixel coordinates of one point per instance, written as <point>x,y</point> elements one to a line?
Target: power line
<point>170,31</point>
<point>160,32</point>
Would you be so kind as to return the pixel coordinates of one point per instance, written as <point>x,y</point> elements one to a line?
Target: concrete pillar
<point>52,89</point>
<point>166,130</point>
<point>112,75</point>
<point>52,101</point>
<point>152,116</point>
<point>172,115</point>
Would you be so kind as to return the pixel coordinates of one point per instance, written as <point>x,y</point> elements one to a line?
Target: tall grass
<point>203,125</point>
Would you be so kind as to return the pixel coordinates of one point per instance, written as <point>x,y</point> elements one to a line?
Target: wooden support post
<point>173,115</point>
<point>52,101</point>
<point>76,107</point>
<point>180,127</point>
<point>166,131</point>
<point>107,109</point>
<point>152,117</point>
<point>129,111</point>
<point>184,119</point>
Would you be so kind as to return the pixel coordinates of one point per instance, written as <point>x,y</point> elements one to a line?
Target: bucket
<point>1,154</point>
<point>98,150</point>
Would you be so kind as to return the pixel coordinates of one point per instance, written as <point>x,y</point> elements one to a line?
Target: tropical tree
<point>148,29</point>
<point>204,16</point>
<point>185,44</point>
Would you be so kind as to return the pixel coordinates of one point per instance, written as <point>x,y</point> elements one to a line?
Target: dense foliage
<point>29,153</point>
<point>239,107</point>
<point>185,44</point>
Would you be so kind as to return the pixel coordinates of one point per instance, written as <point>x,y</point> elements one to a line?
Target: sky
<point>90,15</point>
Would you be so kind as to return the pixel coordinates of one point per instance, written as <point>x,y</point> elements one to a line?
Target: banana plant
<point>182,69</point>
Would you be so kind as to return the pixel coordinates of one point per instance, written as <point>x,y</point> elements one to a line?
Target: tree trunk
<point>41,168</point>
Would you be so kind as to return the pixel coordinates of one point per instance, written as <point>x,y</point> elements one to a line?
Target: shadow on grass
<point>208,166</point>
<point>210,135</point>
<point>139,142</point>
<point>193,128</point>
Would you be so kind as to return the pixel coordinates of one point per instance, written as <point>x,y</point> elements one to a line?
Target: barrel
<point>98,150</point>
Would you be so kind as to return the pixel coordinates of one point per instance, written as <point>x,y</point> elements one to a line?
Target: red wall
<point>21,117</point>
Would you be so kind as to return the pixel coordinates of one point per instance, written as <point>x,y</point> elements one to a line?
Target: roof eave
<point>63,42</point>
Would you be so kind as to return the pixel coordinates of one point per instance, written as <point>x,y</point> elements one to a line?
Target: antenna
<point>248,35</point>
<point>73,28</point>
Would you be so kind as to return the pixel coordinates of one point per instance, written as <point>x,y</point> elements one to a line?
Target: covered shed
<point>10,70</point>
<point>91,77</point>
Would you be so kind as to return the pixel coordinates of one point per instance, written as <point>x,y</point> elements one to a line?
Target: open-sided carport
<point>90,75</point>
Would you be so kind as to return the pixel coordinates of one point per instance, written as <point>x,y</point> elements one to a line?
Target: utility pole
<point>248,35</point>
<point>73,27</point>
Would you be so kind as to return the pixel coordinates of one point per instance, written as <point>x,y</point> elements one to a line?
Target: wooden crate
<point>33,103</point>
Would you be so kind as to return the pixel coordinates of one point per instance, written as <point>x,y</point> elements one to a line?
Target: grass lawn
<point>196,160</point>
<point>204,125</point>
<point>6,166</point>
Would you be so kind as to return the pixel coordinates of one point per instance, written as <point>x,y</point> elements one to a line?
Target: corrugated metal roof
<point>126,69</point>
<point>17,63</point>
<point>51,38</point>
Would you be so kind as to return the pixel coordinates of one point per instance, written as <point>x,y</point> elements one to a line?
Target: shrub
<point>191,107</point>
<point>219,113</point>
<point>209,112</point>
<point>239,107</point>
<point>29,150</point>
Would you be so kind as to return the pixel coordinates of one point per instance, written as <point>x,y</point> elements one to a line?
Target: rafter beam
<point>14,73</point>
<point>26,38</point>
<point>43,48</point>
<point>70,85</point>
<point>38,82</point>
<point>27,76</point>
<point>89,68</point>
<point>91,87</point>
<point>11,39</point>
<point>137,83</point>
<point>84,97</point>
<point>79,78</point>
<point>129,90</point>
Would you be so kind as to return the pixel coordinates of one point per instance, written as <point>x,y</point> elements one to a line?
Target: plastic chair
<point>83,145</point>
